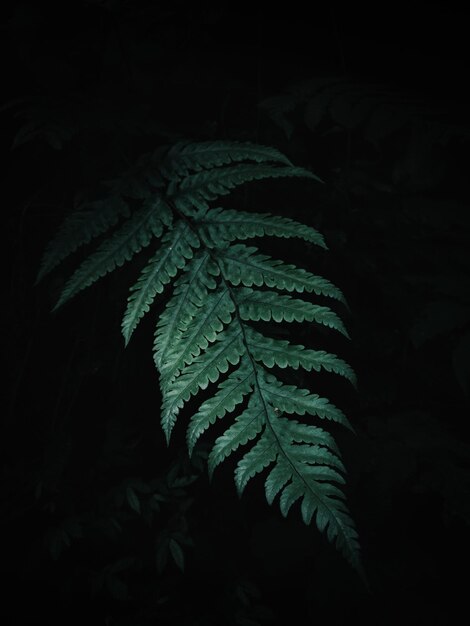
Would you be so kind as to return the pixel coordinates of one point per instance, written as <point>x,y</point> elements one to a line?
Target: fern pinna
<point>204,335</point>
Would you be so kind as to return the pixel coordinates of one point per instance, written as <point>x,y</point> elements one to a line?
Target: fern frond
<point>246,427</point>
<point>204,338</point>
<point>270,305</point>
<point>303,472</point>
<point>207,367</point>
<point>230,393</point>
<point>299,432</point>
<point>214,312</point>
<point>268,448</point>
<point>240,264</point>
<point>184,157</point>
<point>219,225</point>
<point>192,195</point>
<point>177,248</point>
<point>261,455</point>
<point>326,502</point>
<point>134,235</point>
<point>282,353</point>
<point>291,399</point>
<point>190,291</point>
<point>83,225</point>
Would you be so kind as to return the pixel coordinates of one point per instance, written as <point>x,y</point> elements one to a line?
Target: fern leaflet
<point>184,157</point>
<point>241,265</point>
<point>220,225</point>
<point>90,221</point>
<point>136,233</point>
<point>193,193</point>
<point>163,266</point>
<point>270,305</point>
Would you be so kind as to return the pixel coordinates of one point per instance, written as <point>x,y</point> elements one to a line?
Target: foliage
<point>203,332</point>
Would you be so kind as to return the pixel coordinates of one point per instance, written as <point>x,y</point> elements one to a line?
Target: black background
<point>99,83</point>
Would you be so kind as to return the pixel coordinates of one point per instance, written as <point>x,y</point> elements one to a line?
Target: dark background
<point>89,87</point>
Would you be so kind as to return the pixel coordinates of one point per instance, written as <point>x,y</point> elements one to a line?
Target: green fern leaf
<point>298,432</point>
<point>276,480</point>
<point>261,455</point>
<point>172,256</point>
<point>193,194</point>
<point>184,157</point>
<point>190,291</point>
<point>80,228</point>
<point>246,427</point>
<point>213,313</point>
<point>219,225</point>
<point>291,399</point>
<point>280,475</point>
<point>134,235</point>
<point>303,472</point>
<point>270,305</point>
<point>240,264</point>
<point>207,367</point>
<point>282,353</point>
<point>230,393</point>
<point>203,337</point>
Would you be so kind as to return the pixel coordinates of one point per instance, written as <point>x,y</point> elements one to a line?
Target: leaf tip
<point>39,277</point>
<point>57,305</point>
<point>126,335</point>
